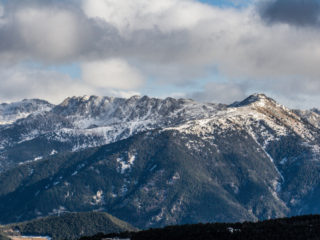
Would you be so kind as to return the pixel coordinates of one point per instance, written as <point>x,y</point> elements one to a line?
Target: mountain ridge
<point>162,160</point>
<point>82,122</point>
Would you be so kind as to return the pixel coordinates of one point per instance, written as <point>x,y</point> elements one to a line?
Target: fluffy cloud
<point>114,74</point>
<point>221,93</point>
<point>165,15</point>
<point>170,42</point>
<point>48,33</point>
<point>18,82</point>
<point>184,37</point>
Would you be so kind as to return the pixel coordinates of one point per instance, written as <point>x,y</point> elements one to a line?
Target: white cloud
<point>46,33</point>
<point>186,36</point>
<point>172,40</point>
<point>166,15</point>
<point>113,73</point>
<point>221,92</point>
<point>49,33</point>
<point>122,94</point>
<point>19,82</point>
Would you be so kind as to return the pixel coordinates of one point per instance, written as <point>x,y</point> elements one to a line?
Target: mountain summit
<point>257,99</point>
<point>154,162</point>
<point>10,112</point>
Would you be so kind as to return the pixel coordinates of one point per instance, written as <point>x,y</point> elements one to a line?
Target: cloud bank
<point>294,12</point>
<point>122,45</point>
<point>111,74</point>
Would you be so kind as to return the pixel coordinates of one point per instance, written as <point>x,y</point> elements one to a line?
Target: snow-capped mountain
<point>263,119</point>
<point>11,112</point>
<point>312,116</point>
<point>156,162</point>
<point>82,122</point>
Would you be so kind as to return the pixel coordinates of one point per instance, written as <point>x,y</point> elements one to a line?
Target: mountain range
<point>154,162</point>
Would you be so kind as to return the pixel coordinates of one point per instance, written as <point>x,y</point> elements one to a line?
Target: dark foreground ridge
<point>302,227</point>
<point>67,226</point>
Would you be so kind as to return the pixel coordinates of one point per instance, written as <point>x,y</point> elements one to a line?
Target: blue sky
<point>227,3</point>
<point>213,50</point>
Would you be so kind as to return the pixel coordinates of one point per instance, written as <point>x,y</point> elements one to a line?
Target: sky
<point>210,50</point>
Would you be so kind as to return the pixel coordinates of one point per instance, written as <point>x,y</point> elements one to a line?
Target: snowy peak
<point>311,116</point>
<point>90,121</point>
<point>262,117</point>
<point>84,106</point>
<point>257,99</point>
<point>94,105</point>
<point>10,112</point>
<point>102,111</point>
<point>269,109</point>
<point>83,100</point>
<point>315,110</point>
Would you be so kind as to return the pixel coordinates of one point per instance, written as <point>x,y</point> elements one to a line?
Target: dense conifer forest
<point>303,227</point>
<point>69,226</point>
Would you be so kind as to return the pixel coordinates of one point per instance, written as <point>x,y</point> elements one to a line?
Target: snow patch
<point>125,163</point>
<point>97,199</point>
<point>233,230</point>
<point>284,161</point>
<point>53,152</point>
<point>37,158</point>
<point>58,211</point>
<point>174,178</point>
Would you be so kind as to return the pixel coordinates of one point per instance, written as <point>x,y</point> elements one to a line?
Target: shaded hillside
<point>296,228</point>
<point>72,225</point>
<point>151,179</point>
